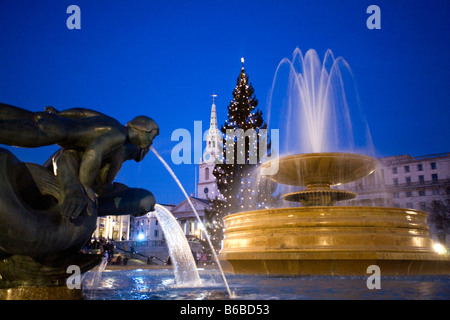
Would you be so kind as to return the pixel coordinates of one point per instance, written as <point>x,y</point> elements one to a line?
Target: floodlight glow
<point>439,248</point>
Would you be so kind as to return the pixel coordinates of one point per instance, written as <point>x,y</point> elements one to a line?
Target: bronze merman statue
<point>48,212</point>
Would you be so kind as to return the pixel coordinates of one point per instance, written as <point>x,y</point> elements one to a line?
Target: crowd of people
<point>105,246</point>
<point>201,258</point>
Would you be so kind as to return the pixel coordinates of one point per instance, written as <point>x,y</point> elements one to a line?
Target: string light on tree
<point>238,183</point>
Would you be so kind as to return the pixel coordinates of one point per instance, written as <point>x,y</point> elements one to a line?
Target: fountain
<point>320,238</point>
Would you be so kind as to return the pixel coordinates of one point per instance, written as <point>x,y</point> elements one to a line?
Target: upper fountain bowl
<point>315,169</point>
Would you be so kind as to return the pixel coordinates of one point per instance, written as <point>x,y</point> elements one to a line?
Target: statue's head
<point>141,131</point>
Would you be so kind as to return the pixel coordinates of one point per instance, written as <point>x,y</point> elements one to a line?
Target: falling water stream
<point>197,216</point>
<point>91,279</point>
<point>186,273</point>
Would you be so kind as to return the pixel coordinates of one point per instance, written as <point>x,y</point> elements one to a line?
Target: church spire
<point>213,122</point>
<point>207,185</point>
<point>213,138</point>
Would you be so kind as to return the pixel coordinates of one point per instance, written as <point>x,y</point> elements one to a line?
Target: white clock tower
<point>206,186</point>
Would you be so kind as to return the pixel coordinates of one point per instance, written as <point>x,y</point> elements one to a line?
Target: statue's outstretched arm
<point>23,128</point>
<point>75,113</point>
<point>8,112</point>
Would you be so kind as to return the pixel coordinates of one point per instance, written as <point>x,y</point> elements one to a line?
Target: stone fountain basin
<point>330,240</point>
<point>330,168</point>
<point>328,228</point>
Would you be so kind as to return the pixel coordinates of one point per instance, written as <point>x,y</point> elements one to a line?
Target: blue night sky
<point>165,58</point>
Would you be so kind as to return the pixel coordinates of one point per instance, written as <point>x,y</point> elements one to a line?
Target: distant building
<point>147,227</point>
<point>185,215</point>
<point>147,237</point>
<point>113,227</point>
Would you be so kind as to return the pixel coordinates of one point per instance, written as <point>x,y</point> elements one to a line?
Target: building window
<point>436,192</point>
<point>421,179</point>
<point>396,195</point>
<point>206,173</point>
<point>409,194</point>
<point>433,165</point>
<point>423,206</point>
<point>434,177</point>
<point>421,193</point>
<point>408,180</point>
<point>410,205</point>
<point>156,233</point>
<point>406,168</point>
<point>395,181</point>
<point>420,167</point>
<point>394,170</point>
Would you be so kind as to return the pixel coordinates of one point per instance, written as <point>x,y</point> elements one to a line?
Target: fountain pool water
<point>159,284</point>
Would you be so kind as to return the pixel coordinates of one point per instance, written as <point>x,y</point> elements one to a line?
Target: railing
<point>396,187</point>
<point>432,156</point>
<point>140,244</point>
<point>134,252</point>
<point>405,159</point>
<point>419,184</point>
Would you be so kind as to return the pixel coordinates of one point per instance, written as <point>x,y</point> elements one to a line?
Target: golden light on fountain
<point>318,172</point>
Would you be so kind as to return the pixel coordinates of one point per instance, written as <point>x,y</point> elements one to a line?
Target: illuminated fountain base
<point>329,240</point>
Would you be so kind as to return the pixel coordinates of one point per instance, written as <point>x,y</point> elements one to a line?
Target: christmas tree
<point>237,178</point>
